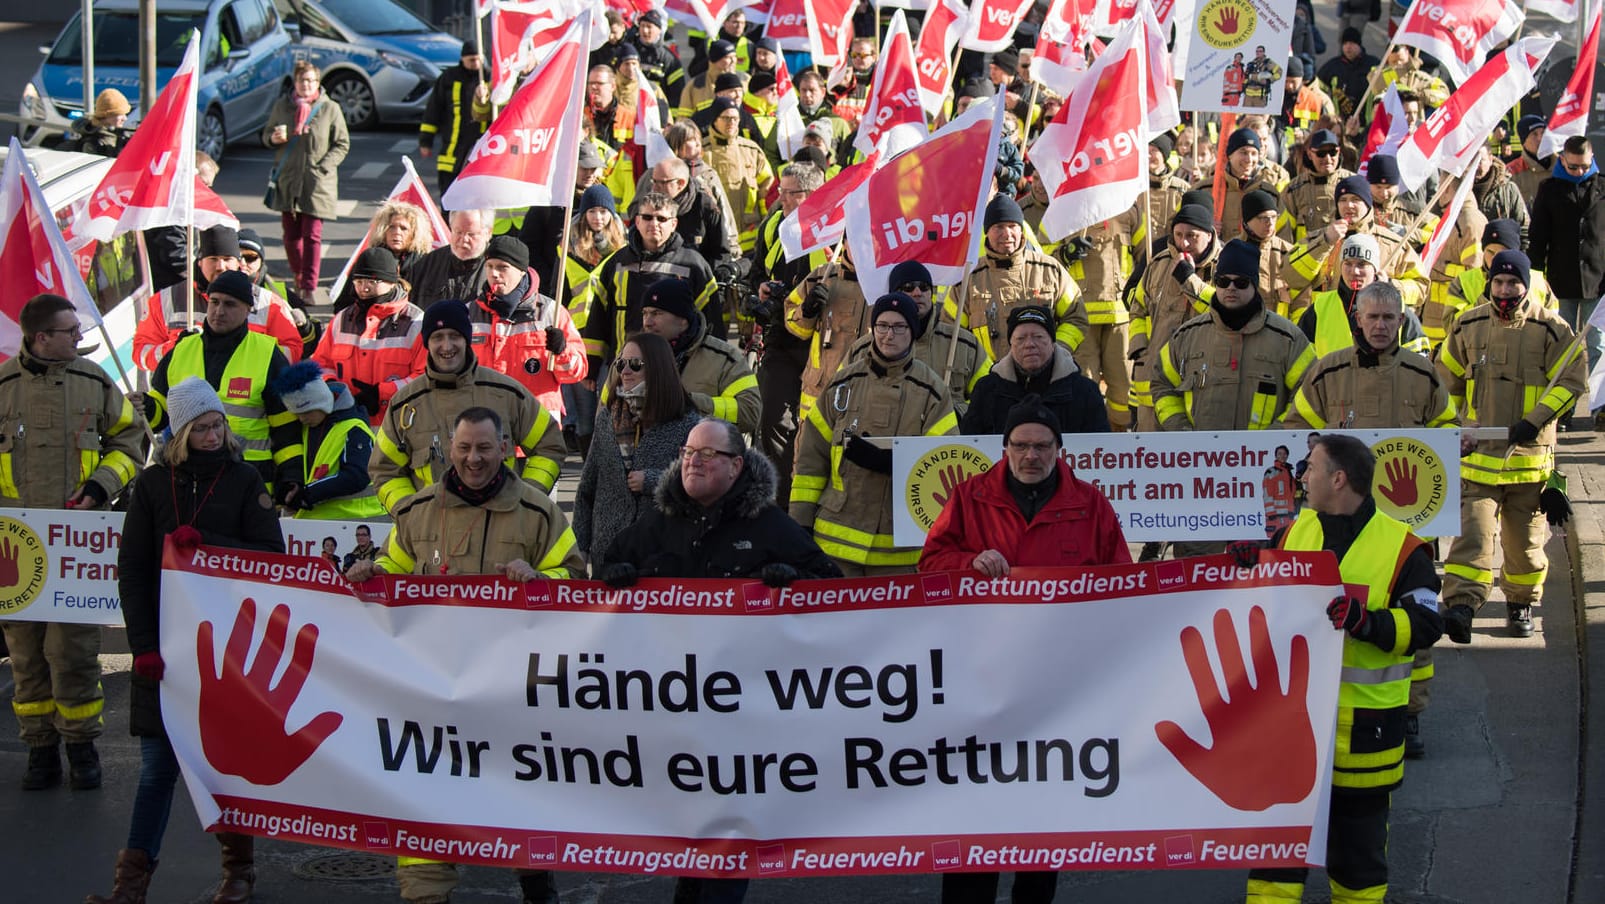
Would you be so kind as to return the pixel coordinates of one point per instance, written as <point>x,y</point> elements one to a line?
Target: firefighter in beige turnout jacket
<point>1174,288</point>
<point>1012,273</point>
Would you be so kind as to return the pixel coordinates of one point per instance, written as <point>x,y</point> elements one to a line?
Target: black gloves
<point>1075,249</point>
<point>778,574</point>
<point>1552,502</point>
<point>1183,270</point>
<point>1522,432</point>
<point>555,340</point>
<point>1245,553</point>
<point>867,455</point>
<point>618,574</point>
<point>815,301</point>
<point>1349,614</point>
<point>367,395</point>
<point>288,494</point>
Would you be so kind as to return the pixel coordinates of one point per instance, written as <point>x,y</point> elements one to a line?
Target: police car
<point>245,62</point>
<point>379,60</point>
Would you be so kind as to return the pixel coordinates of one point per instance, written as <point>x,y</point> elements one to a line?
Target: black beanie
<point>727,80</point>
<point>1203,197</point>
<point>1512,263</point>
<point>233,283</point>
<point>510,249</point>
<point>1238,258</point>
<point>1503,231</point>
<point>907,272</point>
<point>672,296</point>
<point>720,105</point>
<point>1031,410</point>
<point>1242,138</point>
<point>218,241</point>
<point>1163,143</point>
<point>760,81</point>
<point>447,314</point>
<point>1196,215</point>
<point>376,263</point>
<point>1029,313</point>
<point>1257,202</point>
<point>901,304</point>
<point>1383,169</point>
<point>1352,35</point>
<point>1356,186</point>
<point>1003,209</point>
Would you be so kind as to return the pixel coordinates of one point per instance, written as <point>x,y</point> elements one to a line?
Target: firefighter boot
<point>1519,619</point>
<point>1414,747</point>
<point>239,868</point>
<point>83,766</point>
<point>44,768</point>
<point>134,869</point>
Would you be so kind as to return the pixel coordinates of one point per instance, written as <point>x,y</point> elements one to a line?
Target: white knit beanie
<point>190,399</point>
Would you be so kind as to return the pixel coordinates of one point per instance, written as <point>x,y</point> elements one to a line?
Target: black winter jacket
<point>735,539</point>
<point>223,498</point>
<point>1069,394</point>
<point>1567,237</point>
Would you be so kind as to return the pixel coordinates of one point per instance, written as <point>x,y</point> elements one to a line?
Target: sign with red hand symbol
<point>1237,58</point>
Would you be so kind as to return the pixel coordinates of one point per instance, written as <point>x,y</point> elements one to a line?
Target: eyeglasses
<point>890,329</point>
<point>1324,152</point>
<point>250,257</point>
<point>1233,282</point>
<point>632,365</point>
<point>73,331</point>
<point>653,217</point>
<point>657,181</point>
<point>1038,448</point>
<point>704,455</point>
<point>914,287</point>
<point>369,281</point>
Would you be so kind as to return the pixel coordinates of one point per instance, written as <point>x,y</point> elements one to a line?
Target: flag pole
<point>189,262</point>
<point>568,206</point>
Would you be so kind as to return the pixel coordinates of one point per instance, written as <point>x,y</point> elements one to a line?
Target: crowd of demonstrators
<point>1277,283</point>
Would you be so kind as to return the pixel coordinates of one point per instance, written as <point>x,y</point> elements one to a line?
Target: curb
<point>1585,545</point>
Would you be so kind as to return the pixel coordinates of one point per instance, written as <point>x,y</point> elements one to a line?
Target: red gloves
<point>150,665</point>
<point>1349,614</point>
<point>185,537</point>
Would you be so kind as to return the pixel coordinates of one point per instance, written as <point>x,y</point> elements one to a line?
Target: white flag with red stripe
<point>820,220</point>
<point>830,30</point>
<point>1093,155</point>
<point>788,24</point>
<point>1163,107</point>
<point>1570,116</point>
<point>525,34</point>
<point>1459,33</point>
<point>789,125</point>
<point>1389,127</point>
<point>529,155</point>
<point>649,125</point>
<point>33,254</point>
<point>1061,51</point>
<point>894,119</point>
<point>945,23</point>
<point>708,16</point>
<point>411,190</point>
<point>152,182</point>
<point>926,203</point>
<point>1446,224</point>
<point>1559,10</point>
<point>1450,137</point>
<point>993,23</point>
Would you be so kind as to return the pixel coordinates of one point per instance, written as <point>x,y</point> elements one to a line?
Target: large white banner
<point>1227,485</point>
<point>61,566</point>
<point>1238,53</point>
<point>1097,718</point>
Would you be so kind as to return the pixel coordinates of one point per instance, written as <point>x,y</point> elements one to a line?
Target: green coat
<point>309,180</point>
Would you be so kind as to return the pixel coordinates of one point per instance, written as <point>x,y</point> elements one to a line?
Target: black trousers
<point>1356,843</point>
<point>982,888</point>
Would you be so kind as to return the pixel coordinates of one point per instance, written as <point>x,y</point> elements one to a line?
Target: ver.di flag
<point>33,255</point>
<point>830,31</point>
<point>152,182</point>
<point>1061,51</point>
<point>893,120</point>
<point>819,221</point>
<point>926,203</point>
<point>789,126</point>
<point>1389,127</point>
<point>409,189</point>
<point>1559,10</point>
<point>933,53</point>
<point>993,23</point>
<point>1459,33</point>
<point>1570,116</point>
<point>788,24</point>
<point>1093,155</point>
<point>1450,137</point>
<point>1163,107</point>
<point>529,155</point>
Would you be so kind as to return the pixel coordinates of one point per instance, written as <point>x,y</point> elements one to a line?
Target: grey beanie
<point>190,399</point>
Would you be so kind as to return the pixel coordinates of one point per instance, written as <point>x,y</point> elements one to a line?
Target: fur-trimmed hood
<point>752,492</point>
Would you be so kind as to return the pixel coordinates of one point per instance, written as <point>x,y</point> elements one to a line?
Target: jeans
<point>303,246</point>
<point>1576,311</point>
<point>153,801</point>
<point>579,406</point>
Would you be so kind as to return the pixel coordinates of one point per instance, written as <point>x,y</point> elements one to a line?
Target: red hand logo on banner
<point>9,575</point>
<point>1227,24</point>
<point>950,476</point>
<point>1401,486</point>
<point>1248,768</point>
<point>243,730</point>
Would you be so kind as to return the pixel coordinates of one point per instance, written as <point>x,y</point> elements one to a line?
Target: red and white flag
<point>788,24</point>
<point>523,35</point>
<point>789,125</point>
<point>649,125</point>
<point>529,155</point>
<point>1570,116</point>
<point>1389,127</point>
<point>1061,52</point>
<point>33,255</point>
<point>1450,137</point>
<point>411,190</point>
<point>152,182</point>
<point>1093,155</point>
<point>1164,108</point>
<point>894,119</point>
<point>1559,10</point>
<point>992,24</point>
<point>1446,223</point>
<point>707,15</point>
<point>1459,33</point>
<point>926,203</point>
<point>944,24</point>
<point>830,30</point>
<point>820,220</point>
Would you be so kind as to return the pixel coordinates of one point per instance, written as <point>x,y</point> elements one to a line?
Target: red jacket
<point>383,346</point>
<point>516,344</point>
<point>166,319</point>
<point>1078,526</point>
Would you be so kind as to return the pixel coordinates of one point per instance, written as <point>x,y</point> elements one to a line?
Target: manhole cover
<point>346,868</point>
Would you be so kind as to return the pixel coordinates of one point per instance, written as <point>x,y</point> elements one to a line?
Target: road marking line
<point>404,146</point>
<point>371,170</point>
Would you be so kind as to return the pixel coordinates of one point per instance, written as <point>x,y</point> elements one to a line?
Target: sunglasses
<point>250,257</point>
<point>1233,282</point>
<point>632,365</point>
<point>653,217</point>
<point>1325,152</point>
<point>914,287</point>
